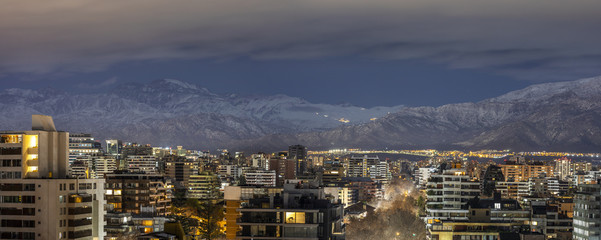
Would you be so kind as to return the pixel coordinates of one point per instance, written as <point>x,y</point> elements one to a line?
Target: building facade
<point>37,200</point>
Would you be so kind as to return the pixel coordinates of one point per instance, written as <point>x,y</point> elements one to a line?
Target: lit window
<point>295,217</point>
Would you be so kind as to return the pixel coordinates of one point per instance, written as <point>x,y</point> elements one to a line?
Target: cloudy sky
<point>377,52</point>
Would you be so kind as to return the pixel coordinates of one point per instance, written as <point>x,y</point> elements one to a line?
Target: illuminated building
<point>549,221</point>
<point>448,192</point>
<point>260,178</point>
<point>513,190</point>
<point>367,166</point>
<point>179,169</point>
<point>587,212</point>
<point>422,175</point>
<point>119,224</point>
<point>235,197</point>
<point>563,168</point>
<point>81,147</point>
<point>296,213</point>
<point>37,200</point>
<point>104,165</point>
<point>114,148</point>
<point>142,163</point>
<point>522,172</point>
<point>260,160</point>
<point>129,192</point>
<point>284,169</point>
<point>341,194</point>
<point>485,219</point>
<point>204,186</point>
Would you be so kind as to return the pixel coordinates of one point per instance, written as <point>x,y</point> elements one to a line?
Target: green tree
<point>242,181</point>
<point>210,218</point>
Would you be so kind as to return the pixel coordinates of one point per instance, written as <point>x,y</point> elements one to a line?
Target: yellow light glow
<point>295,217</point>
<point>147,223</point>
<point>31,140</point>
<point>32,169</point>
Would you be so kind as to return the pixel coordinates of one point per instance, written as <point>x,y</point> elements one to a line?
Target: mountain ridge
<point>561,116</point>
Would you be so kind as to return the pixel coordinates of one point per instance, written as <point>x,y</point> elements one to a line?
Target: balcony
<point>80,234</point>
<point>78,198</point>
<point>32,150</point>
<point>80,210</point>
<point>80,222</point>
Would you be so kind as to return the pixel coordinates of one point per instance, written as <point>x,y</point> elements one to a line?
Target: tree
<point>210,218</point>
<point>395,218</point>
<point>242,181</point>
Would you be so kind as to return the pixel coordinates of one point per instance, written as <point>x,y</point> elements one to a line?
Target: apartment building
<point>37,200</point>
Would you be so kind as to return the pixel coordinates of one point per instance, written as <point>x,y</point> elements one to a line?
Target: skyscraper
<point>299,154</point>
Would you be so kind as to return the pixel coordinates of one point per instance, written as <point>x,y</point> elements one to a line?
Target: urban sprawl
<point>61,185</point>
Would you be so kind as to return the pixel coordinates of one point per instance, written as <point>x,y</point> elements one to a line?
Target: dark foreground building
<point>297,213</point>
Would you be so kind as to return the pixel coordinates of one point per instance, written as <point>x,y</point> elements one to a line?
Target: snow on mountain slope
<point>174,112</point>
<point>556,116</point>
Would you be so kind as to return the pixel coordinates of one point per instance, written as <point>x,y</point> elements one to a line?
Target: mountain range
<point>169,112</point>
<point>561,116</point>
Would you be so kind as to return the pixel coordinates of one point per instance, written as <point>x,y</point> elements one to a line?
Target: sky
<point>367,53</point>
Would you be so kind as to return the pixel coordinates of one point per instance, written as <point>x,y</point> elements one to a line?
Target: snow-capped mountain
<point>562,116</point>
<point>172,112</point>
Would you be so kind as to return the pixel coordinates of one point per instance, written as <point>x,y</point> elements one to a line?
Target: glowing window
<point>109,192</point>
<point>32,169</point>
<point>117,191</point>
<point>295,217</point>
<point>147,222</point>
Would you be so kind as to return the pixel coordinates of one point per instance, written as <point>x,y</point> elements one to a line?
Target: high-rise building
<point>205,185</point>
<point>587,212</point>
<point>492,175</point>
<point>179,169</point>
<point>37,200</point>
<point>131,192</point>
<point>367,166</point>
<point>522,172</point>
<point>103,165</point>
<point>299,154</point>
<point>260,160</point>
<point>284,169</point>
<point>142,163</point>
<point>114,148</point>
<point>563,168</point>
<point>260,178</point>
<point>448,193</point>
<point>81,147</point>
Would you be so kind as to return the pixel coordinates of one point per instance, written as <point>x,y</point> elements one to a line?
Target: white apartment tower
<point>367,166</point>
<point>37,200</point>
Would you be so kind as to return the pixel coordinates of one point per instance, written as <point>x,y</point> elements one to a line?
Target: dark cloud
<point>106,83</point>
<point>539,39</point>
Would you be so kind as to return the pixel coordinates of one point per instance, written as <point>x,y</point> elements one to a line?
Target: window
<point>72,186</point>
<point>295,217</point>
<point>29,187</point>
